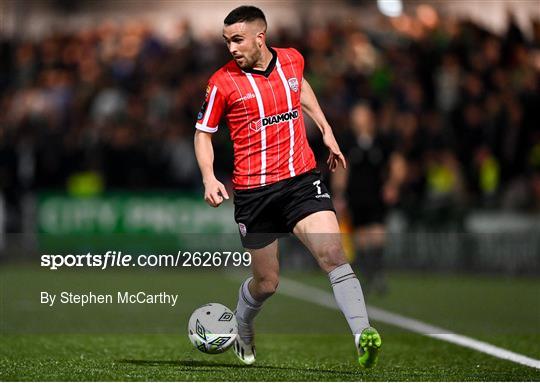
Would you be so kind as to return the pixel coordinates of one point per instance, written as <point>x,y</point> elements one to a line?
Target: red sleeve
<point>211,110</point>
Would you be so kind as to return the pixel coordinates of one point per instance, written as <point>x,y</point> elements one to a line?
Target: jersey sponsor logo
<point>293,84</point>
<point>274,119</point>
<point>243,229</point>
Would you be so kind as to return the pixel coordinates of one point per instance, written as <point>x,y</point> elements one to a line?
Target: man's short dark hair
<point>245,13</point>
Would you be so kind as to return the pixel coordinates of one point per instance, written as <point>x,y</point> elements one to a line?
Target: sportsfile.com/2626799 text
<point>118,259</point>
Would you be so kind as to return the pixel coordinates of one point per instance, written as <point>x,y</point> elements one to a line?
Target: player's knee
<point>266,287</point>
<point>332,257</point>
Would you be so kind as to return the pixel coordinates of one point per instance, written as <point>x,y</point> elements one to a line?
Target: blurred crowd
<point>114,106</point>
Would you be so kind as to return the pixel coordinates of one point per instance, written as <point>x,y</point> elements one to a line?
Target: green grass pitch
<point>296,340</point>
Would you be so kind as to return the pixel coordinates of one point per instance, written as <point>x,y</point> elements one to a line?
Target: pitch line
<point>322,298</point>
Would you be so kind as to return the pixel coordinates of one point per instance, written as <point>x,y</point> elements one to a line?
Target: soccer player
<point>262,94</point>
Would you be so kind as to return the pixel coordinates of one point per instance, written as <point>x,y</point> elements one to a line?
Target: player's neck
<point>264,61</point>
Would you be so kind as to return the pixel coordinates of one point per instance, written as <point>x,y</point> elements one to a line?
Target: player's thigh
<point>265,262</point>
<point>319,232</point>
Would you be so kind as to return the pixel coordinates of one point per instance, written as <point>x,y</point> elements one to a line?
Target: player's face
<point>244,41</point>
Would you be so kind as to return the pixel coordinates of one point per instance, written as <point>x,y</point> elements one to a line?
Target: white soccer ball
<point>212,328</point>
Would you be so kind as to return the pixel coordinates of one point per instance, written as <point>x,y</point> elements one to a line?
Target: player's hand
<point>336,157</point>
<point>214,192</point>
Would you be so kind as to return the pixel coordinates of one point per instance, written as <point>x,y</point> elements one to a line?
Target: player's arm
<point>311,106</point>
<point>207,123</point>
<point>204,151</point>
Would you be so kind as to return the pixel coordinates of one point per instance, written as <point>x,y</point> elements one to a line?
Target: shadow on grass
<point>213,365</point>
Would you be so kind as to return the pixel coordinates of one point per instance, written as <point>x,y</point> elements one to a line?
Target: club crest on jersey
<point>274,119</point>
<point>293,84</point>
<point>243,229</point>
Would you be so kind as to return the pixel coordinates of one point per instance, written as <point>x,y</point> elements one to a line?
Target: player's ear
<point>261,37</point>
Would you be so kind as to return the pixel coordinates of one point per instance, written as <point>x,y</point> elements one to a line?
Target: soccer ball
<point>212,328</point>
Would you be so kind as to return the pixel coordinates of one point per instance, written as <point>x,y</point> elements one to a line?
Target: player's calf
<point>262,289</point>
<point>331,256</point>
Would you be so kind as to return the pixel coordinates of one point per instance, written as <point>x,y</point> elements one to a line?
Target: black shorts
<point>268,212</point>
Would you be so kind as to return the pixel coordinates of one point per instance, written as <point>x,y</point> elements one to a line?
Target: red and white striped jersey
<point>263,112</point>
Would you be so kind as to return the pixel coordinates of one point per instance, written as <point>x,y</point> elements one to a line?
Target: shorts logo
<point>243,229</point>
<point>293,84</point>
<point>317,184</point>
<point>274,119</point>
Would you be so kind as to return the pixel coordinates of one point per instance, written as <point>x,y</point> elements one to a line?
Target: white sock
<point>349,297</point>
<point>246,310</point>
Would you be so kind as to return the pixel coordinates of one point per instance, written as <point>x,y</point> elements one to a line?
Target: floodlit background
<point>97,110</point>
<point>101,97</point>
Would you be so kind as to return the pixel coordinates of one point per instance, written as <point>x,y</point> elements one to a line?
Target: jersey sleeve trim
<point>209,122</point>
<point>205,128</point>
<point>210,106</point>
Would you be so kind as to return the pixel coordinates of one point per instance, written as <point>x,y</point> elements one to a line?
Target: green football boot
<point>368,344</point>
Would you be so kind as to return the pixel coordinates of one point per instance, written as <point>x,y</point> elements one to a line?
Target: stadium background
<point>97,105</point>
<point>99,99</point>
